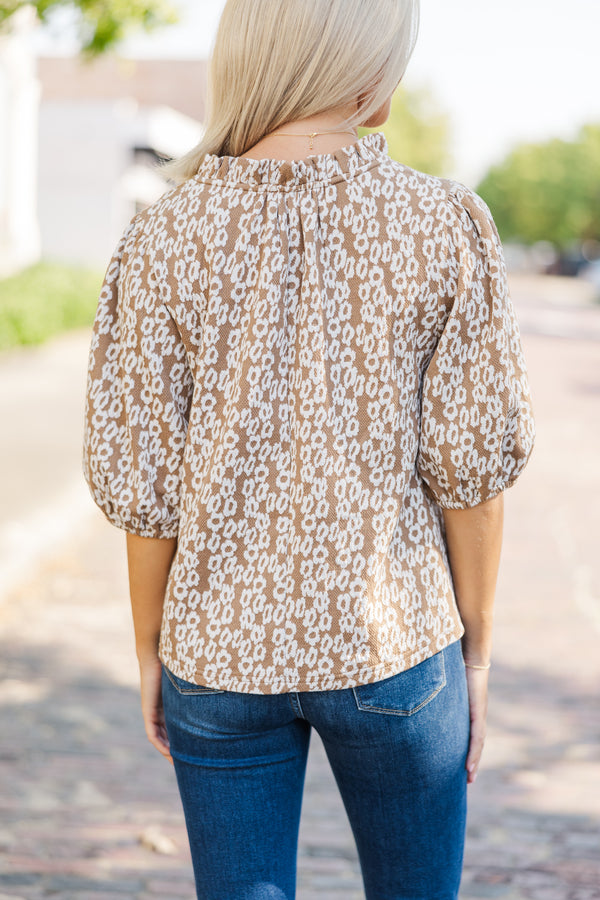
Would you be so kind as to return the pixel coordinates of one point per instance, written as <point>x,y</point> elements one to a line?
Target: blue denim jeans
<point>397,749</point>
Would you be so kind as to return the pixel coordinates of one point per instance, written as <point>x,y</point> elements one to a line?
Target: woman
<point>306,396</point>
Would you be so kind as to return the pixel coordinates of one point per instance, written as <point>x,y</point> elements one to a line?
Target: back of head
<point>275,61</point>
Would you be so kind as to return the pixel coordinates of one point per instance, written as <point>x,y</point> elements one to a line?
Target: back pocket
<point>187,687</point>
<point>407,692</point>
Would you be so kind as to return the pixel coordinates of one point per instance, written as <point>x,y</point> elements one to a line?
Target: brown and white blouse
<point>294,366</point>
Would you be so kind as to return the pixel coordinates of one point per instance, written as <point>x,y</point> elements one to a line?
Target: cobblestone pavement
<point>88,811</point>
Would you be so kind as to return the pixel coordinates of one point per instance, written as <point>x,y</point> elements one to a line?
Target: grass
<point>45,300</point>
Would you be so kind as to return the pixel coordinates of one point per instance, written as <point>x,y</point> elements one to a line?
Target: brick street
<point>89,811</point>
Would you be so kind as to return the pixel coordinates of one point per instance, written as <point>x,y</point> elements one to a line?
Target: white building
<point>96,170</point>
<point>19,99</point>
<point>102,128</point>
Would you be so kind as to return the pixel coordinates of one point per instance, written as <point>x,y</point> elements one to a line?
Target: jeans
<point>397,748</point>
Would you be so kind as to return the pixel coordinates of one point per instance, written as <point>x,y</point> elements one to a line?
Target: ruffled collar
<point>347,161</point>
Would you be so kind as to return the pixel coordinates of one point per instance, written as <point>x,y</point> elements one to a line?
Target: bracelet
<point>471,666</point>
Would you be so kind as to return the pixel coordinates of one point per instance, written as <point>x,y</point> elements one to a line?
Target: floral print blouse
<point>294,366</point>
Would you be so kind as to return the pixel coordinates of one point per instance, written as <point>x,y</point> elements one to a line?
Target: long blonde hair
<point>274,61</point>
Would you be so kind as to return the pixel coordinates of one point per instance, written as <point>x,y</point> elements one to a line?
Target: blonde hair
<point>275,61</point>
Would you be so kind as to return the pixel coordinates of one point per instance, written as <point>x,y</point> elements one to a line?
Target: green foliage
<point>548,191</point>
<point>45,300</point>
<point>417,131</point>
<point>102,23</point>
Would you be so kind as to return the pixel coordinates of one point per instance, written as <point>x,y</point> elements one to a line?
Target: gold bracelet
<point>471,666</point>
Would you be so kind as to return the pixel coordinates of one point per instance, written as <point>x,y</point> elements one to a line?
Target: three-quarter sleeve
<point>477,428</point>
<point>138,397</point>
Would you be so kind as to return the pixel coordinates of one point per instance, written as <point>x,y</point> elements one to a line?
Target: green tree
<point>101,24</point>
<point>417,131</point>
<point>548,191</point>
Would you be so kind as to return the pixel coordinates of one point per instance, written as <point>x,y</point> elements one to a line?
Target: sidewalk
<point>557,307</point>
<point>88,811</point>
<point>44,498</point>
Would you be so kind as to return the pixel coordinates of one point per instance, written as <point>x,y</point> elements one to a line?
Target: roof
<point>178,83</point>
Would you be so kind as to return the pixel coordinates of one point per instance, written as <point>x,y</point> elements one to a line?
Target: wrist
<point>147,652</point>
<point>477,650</point>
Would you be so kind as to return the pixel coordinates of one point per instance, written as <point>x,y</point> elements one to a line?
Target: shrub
<point>44,300</point>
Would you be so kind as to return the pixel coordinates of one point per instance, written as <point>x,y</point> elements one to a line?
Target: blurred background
<point>503,97</point>
<point>505,100</point>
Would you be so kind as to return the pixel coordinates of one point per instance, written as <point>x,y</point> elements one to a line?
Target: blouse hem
<point>337,682</point>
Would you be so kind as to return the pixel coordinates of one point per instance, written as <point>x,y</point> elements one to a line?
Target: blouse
<point>294,367</point>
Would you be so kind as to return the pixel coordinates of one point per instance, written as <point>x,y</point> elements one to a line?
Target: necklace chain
<point>311,134</point>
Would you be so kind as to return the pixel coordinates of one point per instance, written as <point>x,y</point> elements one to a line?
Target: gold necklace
<point>311,134</point>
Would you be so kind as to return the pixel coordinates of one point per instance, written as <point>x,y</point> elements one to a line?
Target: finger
<point>160,742</point>
<point>156,733</point>
<point>476,744</point>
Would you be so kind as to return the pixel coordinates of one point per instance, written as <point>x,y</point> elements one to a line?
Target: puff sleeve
<point>138,397</point>
<point>477,428</point>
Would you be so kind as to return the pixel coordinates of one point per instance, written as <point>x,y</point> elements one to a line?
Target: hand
<point>477,686</point>
<point>152,708</point>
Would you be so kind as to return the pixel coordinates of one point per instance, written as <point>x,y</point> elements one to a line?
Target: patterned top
<point>294,366</point>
